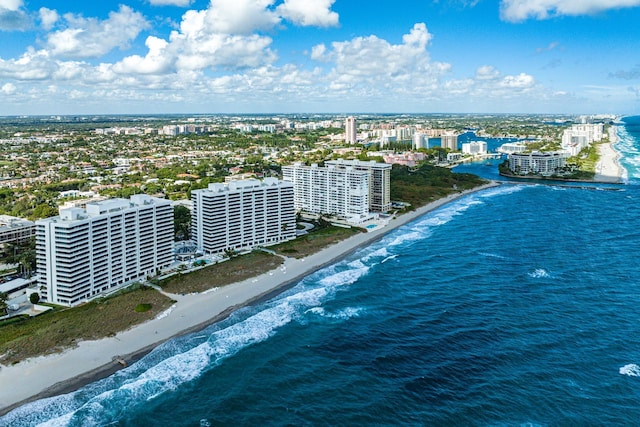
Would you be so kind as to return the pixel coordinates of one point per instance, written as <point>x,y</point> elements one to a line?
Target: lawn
<point>58,330</point>
<point>315,241</point>
<point>224,273</point>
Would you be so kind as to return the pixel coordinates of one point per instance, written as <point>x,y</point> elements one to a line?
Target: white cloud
<point>318,51</point>
<point>12,17</point>
<point>521,81</point>
<point>306,13</point>
<point>32,65</point>
<point>487,72</point>
<point>155,62</point>
<point>232,17</point>
<point>48,18</point>
<point>520,10</point>
<point>11,5</point>
<point>374,65</point>
<point>553,45</point>
<point>8,88</point>
<point>170,2</point>
<point>89,37</point>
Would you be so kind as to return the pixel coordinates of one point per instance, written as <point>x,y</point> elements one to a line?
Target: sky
<point>319,56</point>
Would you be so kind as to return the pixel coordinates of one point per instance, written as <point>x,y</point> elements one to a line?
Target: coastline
<point>608,168</point>
<point>61,373</point>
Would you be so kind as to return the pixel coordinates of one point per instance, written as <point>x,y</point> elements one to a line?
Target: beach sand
<point>608,169</point>
<point>64,372</point>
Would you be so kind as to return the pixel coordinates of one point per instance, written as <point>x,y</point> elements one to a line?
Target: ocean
<point>514,306</point>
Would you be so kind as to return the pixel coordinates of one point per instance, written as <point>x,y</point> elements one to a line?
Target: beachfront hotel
<point>351,130</point>
<point>242,215</point>
<point>379,181</point>
<point>330,190</point>
<point>540,163</point>
<point>84,253</point>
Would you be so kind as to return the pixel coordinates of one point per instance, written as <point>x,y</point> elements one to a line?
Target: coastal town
<point>93,206</point>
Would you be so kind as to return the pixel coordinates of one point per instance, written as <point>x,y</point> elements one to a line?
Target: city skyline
<point>334,56</point>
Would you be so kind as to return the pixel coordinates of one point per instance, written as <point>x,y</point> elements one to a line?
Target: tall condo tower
<point>243,214</point>
<point>450,141</point>
<point>351,130</point>
<point>85,253</point>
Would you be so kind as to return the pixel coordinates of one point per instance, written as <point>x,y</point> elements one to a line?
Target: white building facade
<point>475,147</point>
<point>542,163</point>
<point>420,140</point>
<point>351,130</point>
<point>330,190</point>
<point>85,253</point>
<point>379,181</point>
<point>449,140</point>
<point>242,215</point>
<point>580,136</point>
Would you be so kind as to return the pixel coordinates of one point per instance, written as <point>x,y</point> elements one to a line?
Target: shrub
<point>141,308</point>
<point>34,298</point>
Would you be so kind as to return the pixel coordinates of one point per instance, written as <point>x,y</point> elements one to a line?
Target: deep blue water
<point>515,306</point>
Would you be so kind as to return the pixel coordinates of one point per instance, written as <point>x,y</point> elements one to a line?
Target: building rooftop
<point>8,222</point>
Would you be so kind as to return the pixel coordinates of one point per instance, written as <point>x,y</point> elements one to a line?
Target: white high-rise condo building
<point>379,181</point>
<point>84,253</point>
<point>474,147</point>
<point>449,140</point>
<point>580,136</point>
<point>351,130</point>
<point>242,215</point>
<point>330,190</point>
<point>420,140</point>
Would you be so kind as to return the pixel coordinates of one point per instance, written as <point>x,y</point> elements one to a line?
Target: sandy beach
<point>608,169</point>
<point>61,373</point>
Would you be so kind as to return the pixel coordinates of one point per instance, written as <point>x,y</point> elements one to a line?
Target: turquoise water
<point>515,306</point>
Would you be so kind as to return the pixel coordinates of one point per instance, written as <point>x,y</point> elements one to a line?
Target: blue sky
<point>342,56</point>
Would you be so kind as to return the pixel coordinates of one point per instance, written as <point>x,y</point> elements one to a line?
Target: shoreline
<point>608,168</point>
<point>89,361</point>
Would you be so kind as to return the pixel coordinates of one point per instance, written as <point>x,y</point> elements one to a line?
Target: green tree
<point>44,210</point>
<point>34,298</point>
<point>3,302</point>
<point>181,222</point>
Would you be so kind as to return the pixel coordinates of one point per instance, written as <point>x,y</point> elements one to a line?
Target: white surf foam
<point>378,253</point>
<point>346,277</point>
<point>490,255</point>
<point>171,372</point>
<point>631,370</point>
<point>539,273</point>
<point>388,258</point>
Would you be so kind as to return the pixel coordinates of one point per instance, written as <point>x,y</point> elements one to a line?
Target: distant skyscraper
<point>420,140</point>
<point>450,141</point>
<point>351,130</point>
